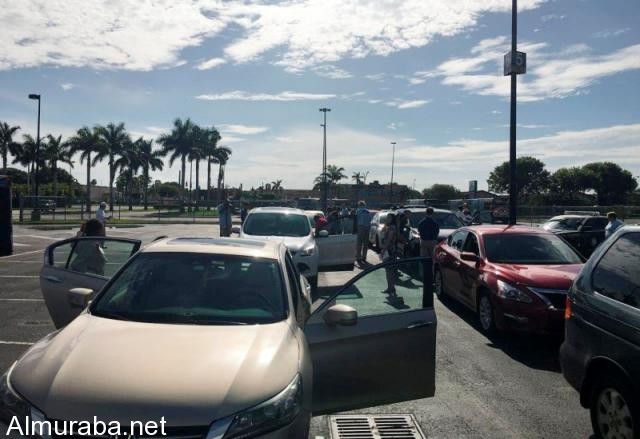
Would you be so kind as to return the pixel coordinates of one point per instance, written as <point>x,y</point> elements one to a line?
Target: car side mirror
<point>340,314</point>
<point>80,297</point>
<point>323,233</point>
<point>469,256</point>
<point>235,229</point>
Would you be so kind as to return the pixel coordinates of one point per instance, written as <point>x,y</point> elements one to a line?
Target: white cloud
<point>67,86</point>
<point>551,17</point>
<point>284,96</point>
<point>392,126</point>
<point>136,35</point>
<point>331,72</point>
<point>378,77</point>
<point>402,104</point>
<point>552,75</point>
<point>611,33</point>
<point>211,63</point>
<point>241,129</point>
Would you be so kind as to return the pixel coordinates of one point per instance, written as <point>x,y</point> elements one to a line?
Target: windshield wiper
<point>208,322</point>
<point>111,315</point>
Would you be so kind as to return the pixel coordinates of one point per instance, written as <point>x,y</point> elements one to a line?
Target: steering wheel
<point>251,295</point>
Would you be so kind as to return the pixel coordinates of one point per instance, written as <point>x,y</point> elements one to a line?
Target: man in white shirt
<point>101,215</point>
<point>613,225</point>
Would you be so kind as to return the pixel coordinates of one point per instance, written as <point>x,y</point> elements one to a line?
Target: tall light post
<point>324,110</point>
<point>393,159</point>
<point>37,97</point>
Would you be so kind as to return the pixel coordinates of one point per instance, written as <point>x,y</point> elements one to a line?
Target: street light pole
<point>513,188</point>
<point>393,159</point>
<point>324,159</point>
<point>37,158</point>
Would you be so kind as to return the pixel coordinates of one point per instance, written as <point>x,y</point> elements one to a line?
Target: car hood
<point>541,276</point>
<point>293,243</point>
<point>130,371</point>
<point>444,233</point>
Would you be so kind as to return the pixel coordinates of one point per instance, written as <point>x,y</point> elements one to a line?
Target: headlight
<point>10,403</point>
<point>508,291</point>
<point>307,251</point>
<point>280,410</point>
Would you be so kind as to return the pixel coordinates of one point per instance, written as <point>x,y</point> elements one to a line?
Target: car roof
<point>421,210</point>
<point>275,209</point>
<point>219,246</point>
<point>559,217</point>
<point>492,229</point>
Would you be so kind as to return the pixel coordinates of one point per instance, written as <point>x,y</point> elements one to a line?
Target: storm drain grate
<point>374,427</point>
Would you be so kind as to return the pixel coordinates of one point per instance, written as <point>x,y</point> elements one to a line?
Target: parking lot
<point>509,386</point>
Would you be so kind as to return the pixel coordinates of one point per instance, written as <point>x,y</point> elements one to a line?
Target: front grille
<point>556,298</point>
<point>374,427</point>
<point>170,433</point>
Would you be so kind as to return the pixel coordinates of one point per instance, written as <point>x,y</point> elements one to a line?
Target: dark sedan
<point>513,277</point>
<point>584,232</point>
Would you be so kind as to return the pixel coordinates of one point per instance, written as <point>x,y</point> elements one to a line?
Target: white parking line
<point>22,262</point>
<point>9,276</point>
<point>38,236</point>
<point>18,343</point>
<point>21,300</point>
<point>20,254</point>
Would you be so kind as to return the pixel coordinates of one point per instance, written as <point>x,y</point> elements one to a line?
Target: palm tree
<point>114,138</point>
<point>7,145</point>
<point>177,143</point>
<point>357,177</point>
<point>276,186</point>
<point>334,174</point>
<point>198,151</point>
<point>221,157</point>
<point>87,141</point>
<point>210,148</point>
<point>149,160</point>
<point>26,154</point>
<point>56,151</point>
<point>129,162</point>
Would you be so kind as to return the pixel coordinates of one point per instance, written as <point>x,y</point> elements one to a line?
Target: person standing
<point>243,213</point>
<point>429,230</point>
<point>101,216</point>
<point>224,216</point>
<point>389,237</point>
<point>613,224</point>
<point>363,222</point>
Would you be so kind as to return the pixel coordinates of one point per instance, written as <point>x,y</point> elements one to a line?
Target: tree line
<point>111,143</point>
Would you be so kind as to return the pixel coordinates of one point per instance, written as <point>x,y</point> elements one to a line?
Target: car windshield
<point>445,220</point>
<point>276,224</point>
<point>529,249</point>
<point>192,288</point>
<point>562,224</point>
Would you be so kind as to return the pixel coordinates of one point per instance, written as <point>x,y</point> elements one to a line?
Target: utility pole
<point>37,181</point>
<point>393,159</point>
<point>515,63</point>
<point>324,110</point>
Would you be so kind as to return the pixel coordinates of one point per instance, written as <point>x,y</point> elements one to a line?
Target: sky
<point>426,74</point>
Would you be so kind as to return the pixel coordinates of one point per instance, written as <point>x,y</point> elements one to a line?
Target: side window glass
<point>457,239</point>
<point>60,255</point>
<point>99,256</point>
<point>471,244</point>
<point>293,281</point>
<point>386,290</point>
<point>617,275</point>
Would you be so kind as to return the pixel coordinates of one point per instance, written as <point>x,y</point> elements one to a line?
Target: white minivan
<point>311,252</point>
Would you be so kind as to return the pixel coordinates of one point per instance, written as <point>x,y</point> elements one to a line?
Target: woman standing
<point>388,250</point>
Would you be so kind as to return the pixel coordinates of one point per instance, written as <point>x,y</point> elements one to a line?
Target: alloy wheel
<point>613,415</point>
<point>485,313</point>
<point>439,285</point>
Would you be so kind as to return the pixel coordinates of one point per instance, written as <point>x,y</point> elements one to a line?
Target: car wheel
<point>439,284</point>
<point>485,314</point>
<point>613,411</point>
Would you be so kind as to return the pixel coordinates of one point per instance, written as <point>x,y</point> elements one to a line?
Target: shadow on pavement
<point>535,351</point>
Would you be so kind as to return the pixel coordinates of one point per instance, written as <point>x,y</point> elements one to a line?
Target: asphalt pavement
<point>508,386</point>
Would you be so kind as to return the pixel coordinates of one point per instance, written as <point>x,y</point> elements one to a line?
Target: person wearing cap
<point>101,216</point>
<point>613,224</point>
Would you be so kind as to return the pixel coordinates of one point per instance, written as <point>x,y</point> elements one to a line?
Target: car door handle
<point>52,279</point>
<point>456,263</point>
<point>419,324</point>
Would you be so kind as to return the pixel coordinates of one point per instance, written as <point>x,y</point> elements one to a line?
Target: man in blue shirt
<point>613,225</point>
<point>363,221</point>
<point>224,217</point>
<point>429,230</point>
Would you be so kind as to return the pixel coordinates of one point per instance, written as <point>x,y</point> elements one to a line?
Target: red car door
<point>469,271</point>
<point>449,263</point>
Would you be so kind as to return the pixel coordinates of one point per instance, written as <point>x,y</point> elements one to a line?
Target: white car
<point>311,253</point>
<point>377,225</point>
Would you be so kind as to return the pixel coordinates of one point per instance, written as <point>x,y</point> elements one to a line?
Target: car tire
<point>438,285</point>
<point>613,407</point>
<point>486,314</point>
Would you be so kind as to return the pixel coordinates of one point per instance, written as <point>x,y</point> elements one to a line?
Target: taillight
<point>567,308</point>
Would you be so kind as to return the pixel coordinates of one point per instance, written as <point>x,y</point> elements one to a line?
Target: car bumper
<point>522,317</point>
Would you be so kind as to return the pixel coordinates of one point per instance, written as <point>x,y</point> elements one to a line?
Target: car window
<point>60,255</point>
<point>292,276</point>
<point>276,224</point>
<point>597,223</point>
<point>563,224</point>
<point>519,248</point>
<point>457,239</point>
<point>99,256</point>
<point>471,244</point>
<point>195,288</point>
<point>617,275</point>
<point>447,220</point>
<point>370,294</point>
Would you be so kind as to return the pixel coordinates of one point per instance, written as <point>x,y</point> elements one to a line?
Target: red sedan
<point>513,277</point>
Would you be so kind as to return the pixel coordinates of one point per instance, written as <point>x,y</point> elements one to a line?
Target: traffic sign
<point>520,65</point>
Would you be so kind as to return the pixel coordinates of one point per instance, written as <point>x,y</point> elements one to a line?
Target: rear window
<point>529,249</point>
<point>617,275</point>
<point>277,224</point>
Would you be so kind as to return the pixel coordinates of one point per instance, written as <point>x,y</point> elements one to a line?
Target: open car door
<point>371,344</point>
<point>80,263</point>
<point>336,252</point>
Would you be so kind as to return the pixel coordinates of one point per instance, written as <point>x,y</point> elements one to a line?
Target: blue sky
<point>424,73</point>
